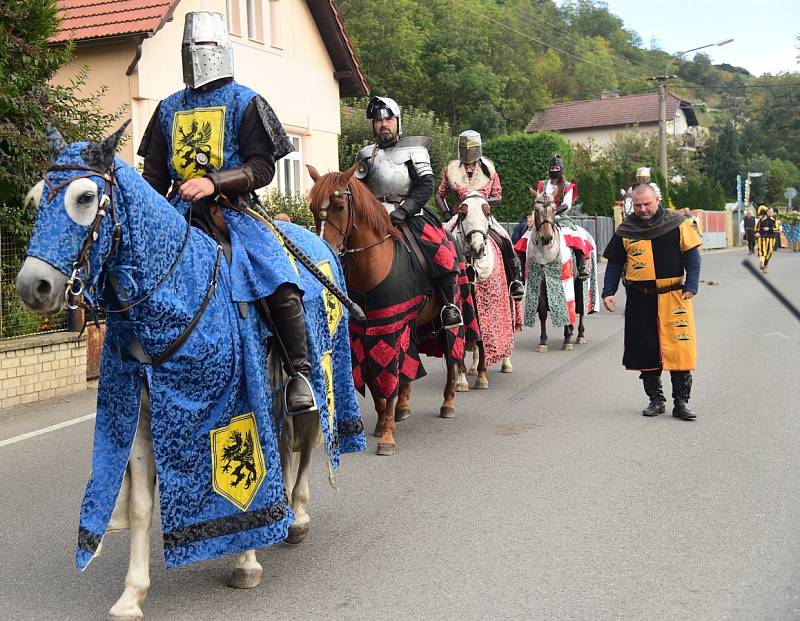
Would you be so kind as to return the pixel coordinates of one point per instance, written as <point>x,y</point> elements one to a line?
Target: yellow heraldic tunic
<point>659,323</point>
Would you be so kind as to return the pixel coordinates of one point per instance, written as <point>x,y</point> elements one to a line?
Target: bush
<point>295,206</point>
<point>522,160</point>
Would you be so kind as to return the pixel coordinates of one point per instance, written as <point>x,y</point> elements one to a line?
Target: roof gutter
<point>136,57</point>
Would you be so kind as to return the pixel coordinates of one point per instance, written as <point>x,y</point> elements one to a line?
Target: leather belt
<point>655,290</point>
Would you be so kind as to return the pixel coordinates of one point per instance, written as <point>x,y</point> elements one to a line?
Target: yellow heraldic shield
<point>200,130</point>
<point>237,460</point>
<point>333,307</point>
<point>327,371</point>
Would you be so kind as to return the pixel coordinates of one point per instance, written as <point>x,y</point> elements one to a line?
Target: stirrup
<point>519,296</point>
<point>455,325</point>
<point>313,408</point>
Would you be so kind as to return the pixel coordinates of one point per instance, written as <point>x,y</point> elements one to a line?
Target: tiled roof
<point>628,110</point>
<point>98,19</point>
<point>88,20</point>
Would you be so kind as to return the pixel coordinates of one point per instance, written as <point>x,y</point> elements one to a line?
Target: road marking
<point>780,334</point>
<point>38,432</point>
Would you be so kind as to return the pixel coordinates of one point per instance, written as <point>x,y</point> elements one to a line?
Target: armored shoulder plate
<point>414,149</point>
<point>364,158</point>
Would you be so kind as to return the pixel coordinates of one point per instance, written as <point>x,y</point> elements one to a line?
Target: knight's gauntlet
<point>233,181</point>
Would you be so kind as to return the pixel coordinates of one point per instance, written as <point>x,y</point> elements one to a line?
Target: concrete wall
<point>41,367</point>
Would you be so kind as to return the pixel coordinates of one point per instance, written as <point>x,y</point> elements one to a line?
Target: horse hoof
<point>297,534</point>
<point>131,616</point>
<point>378,433</point>
<point>402,414</point>
<point>581,340</point>
<point>245,578</point>
<point>447,412</point>
<point>542,348</point>
<point>567,347</point>
<point>507,368</point>
<point>472,371</point>
<point>385,449</point>
<point>481,384</point>
<point>462,387</point>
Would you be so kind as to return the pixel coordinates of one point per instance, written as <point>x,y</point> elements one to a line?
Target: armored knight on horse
<point>470,173</point>
<point>219,121</point>
<point>398,172</point>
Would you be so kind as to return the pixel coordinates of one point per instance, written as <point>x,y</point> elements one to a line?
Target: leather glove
<point>398,216</point>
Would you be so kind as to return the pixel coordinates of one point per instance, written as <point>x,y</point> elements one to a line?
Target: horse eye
<point>87,198</point>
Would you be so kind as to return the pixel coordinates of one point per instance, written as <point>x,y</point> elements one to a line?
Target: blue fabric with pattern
<point>219,373</point>
<point>258,264</point>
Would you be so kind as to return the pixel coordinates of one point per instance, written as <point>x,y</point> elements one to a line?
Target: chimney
<point>609,94</point>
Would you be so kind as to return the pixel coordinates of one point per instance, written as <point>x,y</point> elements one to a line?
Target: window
<point>290,181</point>
<point>255,20</point>
<point>275,23</point>
<point>234,17</point>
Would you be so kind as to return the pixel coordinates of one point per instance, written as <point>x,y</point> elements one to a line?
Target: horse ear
<point>55,141</point>
<point>532,191</point>
<point>347,174</point>
<point>313,172</point>
<point>100,155</point>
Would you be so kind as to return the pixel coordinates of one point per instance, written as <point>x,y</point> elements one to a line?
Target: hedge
<point>521,160</point>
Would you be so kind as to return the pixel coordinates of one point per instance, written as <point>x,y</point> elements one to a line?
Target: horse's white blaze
<point>81,201</point>
<point>475,220</point>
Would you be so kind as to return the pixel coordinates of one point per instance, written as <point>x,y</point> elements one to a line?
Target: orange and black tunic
<point>659,323</point>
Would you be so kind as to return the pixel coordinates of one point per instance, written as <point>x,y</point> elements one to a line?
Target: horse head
<point>72,236</point>
<point>544,219</point>
<point>473,225</point>
<point>345,211</point>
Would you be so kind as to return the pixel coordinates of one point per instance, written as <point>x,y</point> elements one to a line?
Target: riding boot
<point>450,314</point>
<point>580,265</point>
<point>288,321</point>
<point>681,390</point>
<point>516,289</point>
<point>652,387</point>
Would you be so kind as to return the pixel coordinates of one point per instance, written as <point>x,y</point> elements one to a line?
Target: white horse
<point>551,286</point>
<point>498,315</point>
<point>92,216</point>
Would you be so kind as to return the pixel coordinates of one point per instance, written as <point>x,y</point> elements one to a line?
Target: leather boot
<point>516,290</point>
<point>288,320</point>
<point>450,314</point>
<point>652,387</point>
<point>681,391</point>
<point>580,265</point>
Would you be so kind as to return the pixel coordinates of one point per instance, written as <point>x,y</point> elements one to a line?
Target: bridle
<point>467,235</point>
<point>77,294</point>
<point>350,225</point>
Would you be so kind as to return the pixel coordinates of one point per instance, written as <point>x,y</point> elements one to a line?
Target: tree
<point>27,100</point>
<point>723,159</point>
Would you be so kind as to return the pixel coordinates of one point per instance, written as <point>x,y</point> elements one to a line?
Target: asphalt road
<point>548,497</point>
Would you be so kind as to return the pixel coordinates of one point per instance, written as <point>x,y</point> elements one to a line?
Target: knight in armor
<point>563,192</point>
<point>398,172</point>
<point>472,172</point>
<point>642,176</point>
<point>236,130</point>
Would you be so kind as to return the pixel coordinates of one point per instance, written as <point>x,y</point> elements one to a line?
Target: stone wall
<point>41,367</point>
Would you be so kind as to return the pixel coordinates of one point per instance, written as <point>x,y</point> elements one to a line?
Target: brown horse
<point>357,226</point>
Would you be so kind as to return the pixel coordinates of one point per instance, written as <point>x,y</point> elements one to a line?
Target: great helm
<point>206,50</point>
<point>642,175</point>
<point>383,108</point>
<point>470,148</point>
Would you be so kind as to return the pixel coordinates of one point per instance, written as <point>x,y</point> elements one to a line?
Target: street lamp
<point>661,83</point>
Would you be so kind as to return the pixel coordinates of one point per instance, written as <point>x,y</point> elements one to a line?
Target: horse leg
<point>482,381</point>
<point>542,312</point>
<point>386,445</point>
<point>461,377</point>
<point>473,369</point>
<point>142,469</point>
<point>568,330</point>
<point>380,409</point>
<point>403,409</point>
<point>448,409</point>
<point>507,366</point>
<point>306,432</point>
<point>581,338</point>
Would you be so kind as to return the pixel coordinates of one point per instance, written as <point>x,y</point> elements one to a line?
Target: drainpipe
<point>136,57</point>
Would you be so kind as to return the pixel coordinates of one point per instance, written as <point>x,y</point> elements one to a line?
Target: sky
<point>763,31</point>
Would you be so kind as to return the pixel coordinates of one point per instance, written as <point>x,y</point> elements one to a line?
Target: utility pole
<point>661,85</point>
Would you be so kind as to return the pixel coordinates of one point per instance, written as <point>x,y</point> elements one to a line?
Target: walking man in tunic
<point>766,233</point>
<point>652,250</point>
<point>472,172</point>
<point>398,172</point>
<point>749,225</point>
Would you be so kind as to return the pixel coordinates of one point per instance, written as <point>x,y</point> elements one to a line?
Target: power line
<point>545,44</point>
